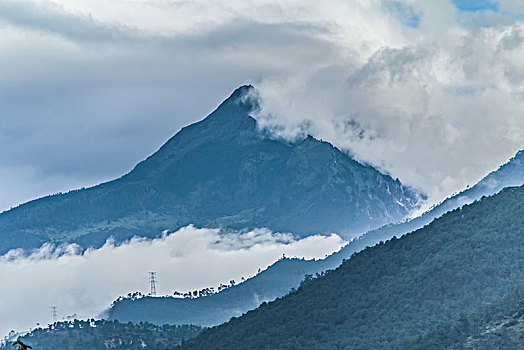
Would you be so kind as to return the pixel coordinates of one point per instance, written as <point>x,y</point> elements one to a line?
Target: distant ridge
<point>510,174</point>
<point>277,280</point>
<point>220,172</point>
<point>386,296</point>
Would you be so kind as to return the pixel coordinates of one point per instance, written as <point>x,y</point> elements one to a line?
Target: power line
<point>54,314</point>
<point>152,283</point>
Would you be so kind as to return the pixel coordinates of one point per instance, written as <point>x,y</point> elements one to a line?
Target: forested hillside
<point>497,326</point>
<point>218,308</point>
<point>286,274</point>
<point>100,334</point>
<point>386,296</point>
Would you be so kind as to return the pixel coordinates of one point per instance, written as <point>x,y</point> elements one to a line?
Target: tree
<point>21,346</point>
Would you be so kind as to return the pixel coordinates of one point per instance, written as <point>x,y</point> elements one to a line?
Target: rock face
<point>220,172</point>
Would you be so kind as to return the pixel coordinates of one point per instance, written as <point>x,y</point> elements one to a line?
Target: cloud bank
<point>437,114</point>
<point>188,259</point>
<point>430,92</point>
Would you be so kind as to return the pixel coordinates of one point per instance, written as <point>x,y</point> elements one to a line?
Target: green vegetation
<point>218,308</point>
<point>285,274</point>
<point>19,345</point>
<point>102,334</point>
<point>498,326</point>
<point>386,296</point>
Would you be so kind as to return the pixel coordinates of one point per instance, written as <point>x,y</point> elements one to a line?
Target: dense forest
<point>100,334</point>
<point>497,326</point>
<point>386,296</point>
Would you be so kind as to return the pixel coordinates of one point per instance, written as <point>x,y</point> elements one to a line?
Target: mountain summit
<point>220,172</point>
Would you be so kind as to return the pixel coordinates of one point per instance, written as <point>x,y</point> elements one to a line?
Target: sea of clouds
<point>83,284</point>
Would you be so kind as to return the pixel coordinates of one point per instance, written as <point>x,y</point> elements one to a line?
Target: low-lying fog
<point>83,285</point>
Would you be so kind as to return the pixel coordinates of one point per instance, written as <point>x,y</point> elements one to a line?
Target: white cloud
<point>87,283</point>
<point>93,87</point>
<point>515,7</point>
<point>439,113</point>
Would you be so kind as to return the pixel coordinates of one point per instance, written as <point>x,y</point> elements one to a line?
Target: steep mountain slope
<point>387,295</point>
<point>286,274</point>
<point>507,175</point>
<point>497,326</point>
<point>220,172</point>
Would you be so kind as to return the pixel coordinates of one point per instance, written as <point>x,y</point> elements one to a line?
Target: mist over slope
<point>286,274</point>
<point>386,296</point>
<point>221,172</point>
<point>509,174</point>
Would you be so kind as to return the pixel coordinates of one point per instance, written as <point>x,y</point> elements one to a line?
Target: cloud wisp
<point>86,283</point>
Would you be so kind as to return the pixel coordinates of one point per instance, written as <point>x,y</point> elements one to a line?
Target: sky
<point>428,91</point>
<point>431,92</point>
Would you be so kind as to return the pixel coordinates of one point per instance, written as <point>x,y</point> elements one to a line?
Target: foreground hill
<point>281,277</point>
<point>220,172</point>
<point>497,326</point>
<point>91,334</point>
<point>386,296</point>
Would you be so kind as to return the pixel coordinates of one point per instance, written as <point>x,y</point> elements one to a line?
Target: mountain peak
<point>243,97</point>
<point>242,91</point>
<point>233,113</point>
<point>219,172</point>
